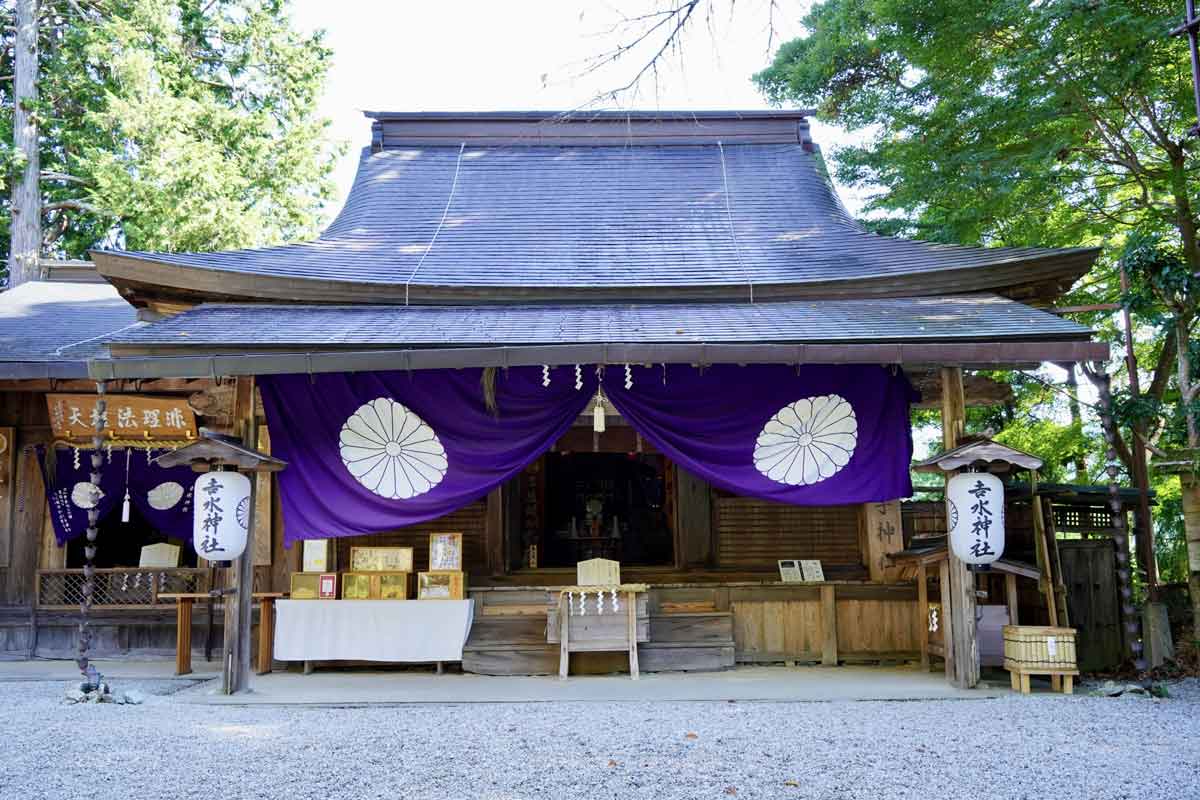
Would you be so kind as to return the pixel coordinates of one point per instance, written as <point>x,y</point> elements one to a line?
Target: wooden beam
<point>947,618</point>
<point>962,582</point>
<point>236,667</point>
<point>829,632</point>
<point>923,614</point>
<point>493,532</point>
<point>1010,593</point>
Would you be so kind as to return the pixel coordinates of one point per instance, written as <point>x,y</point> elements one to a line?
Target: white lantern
<point>220,515</point>
<point>975,511</point>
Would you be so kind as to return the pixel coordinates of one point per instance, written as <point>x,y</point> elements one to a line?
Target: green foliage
<point>175,125</point>
<point>1057,123</point>
<point>1001,122</point>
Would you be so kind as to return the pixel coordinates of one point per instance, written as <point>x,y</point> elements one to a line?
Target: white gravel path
<point>1083,748</point>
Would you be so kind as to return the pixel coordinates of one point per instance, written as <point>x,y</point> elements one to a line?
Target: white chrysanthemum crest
<point>391,451</point>
<point>807,441</point>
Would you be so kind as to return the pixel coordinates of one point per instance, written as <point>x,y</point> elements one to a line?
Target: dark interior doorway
<point>605,505</point>
<point>119,544</point>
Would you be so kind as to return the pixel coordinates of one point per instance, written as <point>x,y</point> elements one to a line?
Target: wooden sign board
<point>128,416</point>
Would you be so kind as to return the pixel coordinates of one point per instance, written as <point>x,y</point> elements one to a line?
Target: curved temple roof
<point>533,206</point>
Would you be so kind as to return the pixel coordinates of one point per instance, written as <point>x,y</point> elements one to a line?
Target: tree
<point>174,125</point>
<point>1014,123</point>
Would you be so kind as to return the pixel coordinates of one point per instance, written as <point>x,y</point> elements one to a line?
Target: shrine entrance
<point>605,505</point>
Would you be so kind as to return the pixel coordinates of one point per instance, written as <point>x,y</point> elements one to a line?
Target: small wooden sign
<point>812,571</point>
<point>128,416</point>
<point>789,571</point>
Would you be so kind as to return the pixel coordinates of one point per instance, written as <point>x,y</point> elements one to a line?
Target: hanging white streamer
<point>628,377</point>
<point>578,377</point>
<point>545,374</point>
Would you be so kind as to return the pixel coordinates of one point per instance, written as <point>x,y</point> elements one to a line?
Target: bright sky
<point>479,55</point>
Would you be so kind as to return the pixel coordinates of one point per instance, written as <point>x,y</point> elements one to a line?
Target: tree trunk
<point>26,241</point>
<point>1076,421</point>
<point>1190,485</point>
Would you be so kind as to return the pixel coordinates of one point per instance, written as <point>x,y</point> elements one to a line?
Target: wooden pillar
<point>183,636</point>
<point>493,532</point>
<point>238,606</point>
<point>962,582</point>
<point>947,618</point>
<point>1010,592</point>
<point>829,632</point>
<point>923,615</point>
<point>266,634</point>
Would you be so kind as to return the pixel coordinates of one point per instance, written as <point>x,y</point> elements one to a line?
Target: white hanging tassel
<point>628,377</point>
<point>598,414</point>
<point>545,375</point>
<point>75,459</point>
<point>578,377</point>
<point>583,604</point>
<point>125,505</point>
<point>616,603</point>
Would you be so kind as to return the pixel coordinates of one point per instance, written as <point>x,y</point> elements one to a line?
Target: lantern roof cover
<point>220,450</point>
<point>506,207</point>
<point>993,456</point>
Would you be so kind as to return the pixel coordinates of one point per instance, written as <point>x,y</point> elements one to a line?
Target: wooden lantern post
<point>213,451</point>
<point>962,582</point>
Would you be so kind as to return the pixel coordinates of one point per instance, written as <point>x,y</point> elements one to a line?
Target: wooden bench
<point>183,628</point>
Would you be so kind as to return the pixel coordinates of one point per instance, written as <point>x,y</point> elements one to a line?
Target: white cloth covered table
<point>372,630</point>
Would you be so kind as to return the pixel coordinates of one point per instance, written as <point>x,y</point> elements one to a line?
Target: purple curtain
<point>370,452</point>
<point>162,496</point>
<point>374,451</point>
<point>817,435</point>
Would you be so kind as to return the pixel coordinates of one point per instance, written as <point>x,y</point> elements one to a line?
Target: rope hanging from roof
<point>737,250</point>
<point>441,222</point>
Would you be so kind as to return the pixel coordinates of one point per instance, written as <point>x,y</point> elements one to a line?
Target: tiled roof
<point>49,329</point>
<point>580,218</point>
<point>963,318</point>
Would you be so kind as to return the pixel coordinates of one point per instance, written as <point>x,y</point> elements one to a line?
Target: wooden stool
<point>1060,680</point>
<point>183,628</point>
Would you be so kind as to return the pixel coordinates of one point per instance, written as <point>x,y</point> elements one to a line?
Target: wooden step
<point>510,660</point>
<point>508,630</point>
<point>712,627</point>
<point>665,657</point>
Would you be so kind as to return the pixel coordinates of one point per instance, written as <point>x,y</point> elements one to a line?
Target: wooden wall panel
<point>469,520</point>
<point>694,520</point>
<point>8,466</point>
<point>877,626</point>
<point>757,533</point>
<point>777,629</point>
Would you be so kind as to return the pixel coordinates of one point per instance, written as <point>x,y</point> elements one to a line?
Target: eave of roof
<point>957,318</point>
<point>49,329</point>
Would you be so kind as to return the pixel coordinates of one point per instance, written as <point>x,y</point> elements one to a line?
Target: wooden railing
<point>118,588</point>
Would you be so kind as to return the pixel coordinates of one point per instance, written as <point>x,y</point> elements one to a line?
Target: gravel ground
<point>1086,748</point>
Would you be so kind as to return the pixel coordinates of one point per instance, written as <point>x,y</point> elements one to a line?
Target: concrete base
<point>65,670</point>
<point>778,684</point>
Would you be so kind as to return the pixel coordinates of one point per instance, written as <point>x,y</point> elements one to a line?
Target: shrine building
<point>653,338</point>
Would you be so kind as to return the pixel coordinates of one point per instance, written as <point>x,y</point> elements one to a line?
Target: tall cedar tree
<point>185,125</point>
